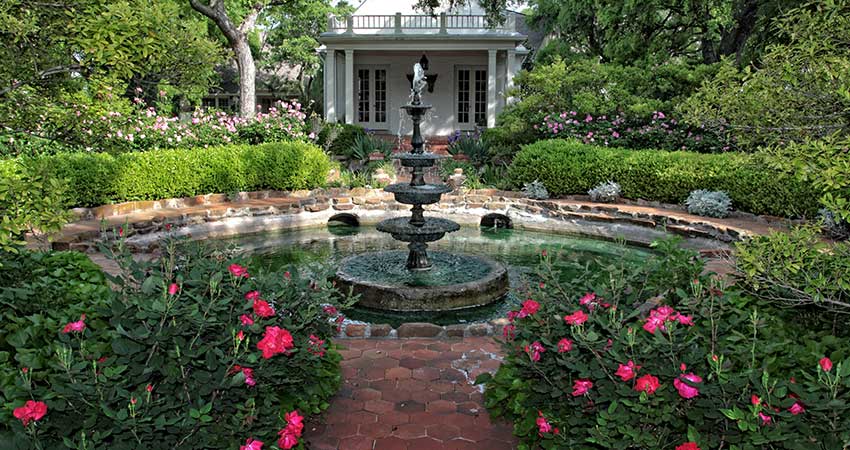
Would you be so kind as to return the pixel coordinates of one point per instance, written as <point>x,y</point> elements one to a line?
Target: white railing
<point>399,23</point>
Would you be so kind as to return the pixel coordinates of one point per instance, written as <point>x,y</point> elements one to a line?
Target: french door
<point>471,97</point>
<point>371,88</point>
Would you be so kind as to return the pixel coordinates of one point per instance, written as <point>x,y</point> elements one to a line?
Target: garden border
<point>144,223</point>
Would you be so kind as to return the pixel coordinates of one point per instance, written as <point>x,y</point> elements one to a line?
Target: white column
<point>491,89</point>
<point>330,86</point>
<point>510,72</point>
<point>349,86</point>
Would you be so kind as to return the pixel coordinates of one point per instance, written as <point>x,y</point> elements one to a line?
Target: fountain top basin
<point>424,194</point>
<point>432,230</point>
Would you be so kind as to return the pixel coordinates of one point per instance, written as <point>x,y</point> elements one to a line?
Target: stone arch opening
<point>344,219</point>
<point>495,220</point>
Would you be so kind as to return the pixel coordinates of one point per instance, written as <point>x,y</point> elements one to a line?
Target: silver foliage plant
<point>606,192</point>
<point>535,190</point>
<point>833,226</point>
<point>709,203</point>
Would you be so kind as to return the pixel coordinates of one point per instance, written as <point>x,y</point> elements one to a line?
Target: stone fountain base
<point>456,281</point>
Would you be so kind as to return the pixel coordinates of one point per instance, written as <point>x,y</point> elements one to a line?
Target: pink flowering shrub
<point>658,131</point>
<point>662,358</point>
<point>179,357</point>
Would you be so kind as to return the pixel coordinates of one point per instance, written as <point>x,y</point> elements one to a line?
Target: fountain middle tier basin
<point>418,159</point>
<point>402,230</point>
<point>455,282</point>
<point>425,194</point>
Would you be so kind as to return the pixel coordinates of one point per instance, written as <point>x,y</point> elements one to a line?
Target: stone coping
<point>145,223</point>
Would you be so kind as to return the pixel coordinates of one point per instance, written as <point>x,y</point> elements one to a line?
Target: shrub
<point>32,203</point>
<point>606,192</point>
<point>708,203</point>
<point>570,167</point>
<point>366,144</point>
<point>616,360</point>
<point>338,139</point>
<point>535,190</point>
<point>585,85</point>
<point>39,292</point>
<point>657,131</point>
<point>192,352</point>
<point>797,269</point>
<point>96,179</point>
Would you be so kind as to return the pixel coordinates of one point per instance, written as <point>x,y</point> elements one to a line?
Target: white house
<point>369,60</point>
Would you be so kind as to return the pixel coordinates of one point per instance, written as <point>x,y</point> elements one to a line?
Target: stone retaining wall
<point>217,215</point>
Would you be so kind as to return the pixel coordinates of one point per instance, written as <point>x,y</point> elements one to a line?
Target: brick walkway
<point>414,394</point>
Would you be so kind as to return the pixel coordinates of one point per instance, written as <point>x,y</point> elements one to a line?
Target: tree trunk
<point>247,77</point>
<point>237,39</point>
<point>734,41</point>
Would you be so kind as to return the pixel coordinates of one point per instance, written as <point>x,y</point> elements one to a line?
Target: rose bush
<point>619,359</point>
<point>192,350</point>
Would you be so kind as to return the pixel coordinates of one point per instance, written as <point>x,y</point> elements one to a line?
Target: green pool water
<point>319,251</point>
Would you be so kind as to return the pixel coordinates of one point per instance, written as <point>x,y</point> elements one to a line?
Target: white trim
<point>491,89</point>
<point>330,86</point>
<point>349,83</point>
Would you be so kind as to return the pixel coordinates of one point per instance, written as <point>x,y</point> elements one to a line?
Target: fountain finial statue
<point>419,83</point>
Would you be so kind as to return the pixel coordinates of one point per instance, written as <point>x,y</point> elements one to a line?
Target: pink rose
<point>252,444</point>
<point>580,387</point>
<point>684,320</point>
<point>286,440</point>
<point>31,411</point>
<point>173,289</point>
<point>75,327</point>
<point>589,300</point>
<point>330,310</point>
<point>797,408</point>
<point>565,345</point>
<point>825,364</point>
<point>647,383</point>
<point>238,271</point>
<point>543,426</point>
<point>253,295</point>
<point>263,309</point>
<point>755,400</point>
<point>688,446</point>
<point>535,350</point>
<point>765,419</point>
<point>685,390</point>
<point>246,320</point>
<point>275,340</point>
<point>576,318</point>
<point>628,371</point>
<point>529,307</point>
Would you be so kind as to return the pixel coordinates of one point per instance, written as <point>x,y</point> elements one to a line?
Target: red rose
<point>31,411</point>
<point>576,318</point>
<point>238,271</point>
<point>688,446</point>
<point>647,383</point>
<point>825,364</point>
<point>173,289</point>
<point>76,327</point>
<point>580,387</point>
<point>565,345</point>
<point>253,295</point>
<point>246,320</point>
<point>262,308</point>
<point>275,340</point>
<point>529,307</point>
<point>628,371</point>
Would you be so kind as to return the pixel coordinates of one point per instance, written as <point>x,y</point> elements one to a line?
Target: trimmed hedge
<point>100,178</point>
<point>571,167</point>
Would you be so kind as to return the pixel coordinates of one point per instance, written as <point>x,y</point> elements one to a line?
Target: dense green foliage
<point>338,139</point>
<point>800,90</point>
<point>825,164</point>
<point>31,202</point>
<point>587,87</point>
<point>633,358</point>
<point>172,358</point>
<point>95,179</point>
<point>87,52</point>
<point>570,167</point>
<point>38,292</point>
<point>796,269</point>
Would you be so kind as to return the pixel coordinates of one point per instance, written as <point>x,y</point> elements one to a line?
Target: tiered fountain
<point>443,281</point>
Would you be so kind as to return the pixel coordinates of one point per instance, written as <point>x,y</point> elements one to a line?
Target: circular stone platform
<point>455,281</point>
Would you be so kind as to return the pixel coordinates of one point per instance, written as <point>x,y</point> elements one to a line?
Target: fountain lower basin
<point>457,281</point>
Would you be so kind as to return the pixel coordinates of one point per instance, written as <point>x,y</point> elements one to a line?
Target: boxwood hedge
<point>571,167</point>
<point>100,178</point>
